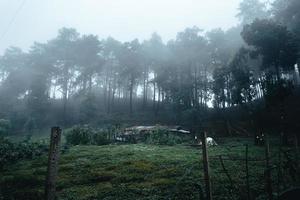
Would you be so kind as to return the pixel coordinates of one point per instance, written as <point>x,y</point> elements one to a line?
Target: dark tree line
<point>76,78</point>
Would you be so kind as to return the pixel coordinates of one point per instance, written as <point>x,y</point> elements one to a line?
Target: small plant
<point>85,135</point>
<point>30,125</point>
<point>12,152</point>
<point>100,138</point>
<point>79,135</point>
<point>5,126</point>
<point>164,137</point>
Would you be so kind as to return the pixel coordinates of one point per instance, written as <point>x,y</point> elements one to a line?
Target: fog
<point>122,19</point>
<point>122,95</point>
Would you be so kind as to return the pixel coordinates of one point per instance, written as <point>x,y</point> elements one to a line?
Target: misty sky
<point>39,20</point>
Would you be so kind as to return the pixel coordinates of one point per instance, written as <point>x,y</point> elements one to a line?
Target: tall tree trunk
<point>109,97</point>
<point>224,98</point>
<point>90,83</point>
<point>54,91</point>
<point>284,137</point>
<point>201,97</point>
<point>154,95</point>
<point>195,95</point>
<point>228,94</point>
<point>65,110</point>
<point>158,101</point>
<point>105,90</point>
<point>144,91</point>
<point>84,84</point>
<point>125,91</point>
<point>205,86</point>
<point>261,87</point>
<point>297,73</point>
<point>147,86</point>
<point>65,90</point>
<point>113,94</point>
<point>119,93</point>
<point>278,77</point>
<point>130,95</point>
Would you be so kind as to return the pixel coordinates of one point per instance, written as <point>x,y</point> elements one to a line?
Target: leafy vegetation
<point>139,171</point>
<point>241,81</point>
<point>104,81</point>
<point>86,135</point>
<point>165,137</point>
<point>11,152</point>
<point>5,127</point>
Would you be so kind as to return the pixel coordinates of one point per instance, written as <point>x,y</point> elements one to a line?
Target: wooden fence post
<point>50,190</point>
<point>247,173</point>
<point>296,143</point>
<point>206,167</point>
<point>268,170</point>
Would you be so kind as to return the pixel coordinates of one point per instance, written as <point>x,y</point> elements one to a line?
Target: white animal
<point>209,141</point>
<point>120,139</point>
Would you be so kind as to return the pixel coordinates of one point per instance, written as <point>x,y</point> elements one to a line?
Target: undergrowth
<point>140,171</point>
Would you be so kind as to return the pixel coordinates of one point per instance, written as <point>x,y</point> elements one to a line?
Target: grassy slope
<point>134,172</point>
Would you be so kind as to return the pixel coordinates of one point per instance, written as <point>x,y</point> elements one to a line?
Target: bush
<point>79,135</point>
<point>30,125</point>
<point>12,152</point>
<point>85,135</point>
<point>100,138</point>
<point>164,137</point>
<point>5,126</point>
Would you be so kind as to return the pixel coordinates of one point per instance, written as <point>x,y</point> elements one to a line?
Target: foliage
<point>249,10</point>
<point>139,171</point>
<point>219,85</point>
<point>165,137</point>
<point>30,125</point>
<point>242,81</point>
<point>12,152</point>
<point>86,135</point>
<point>77,79</point>
<point>5,127</point>
<point>274,42</point>
<point>286,11</point>
<point>278,48</point>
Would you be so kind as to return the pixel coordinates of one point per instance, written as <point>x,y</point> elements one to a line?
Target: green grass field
<point>138,171</point>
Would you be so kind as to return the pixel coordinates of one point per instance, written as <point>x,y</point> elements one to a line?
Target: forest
<point>237,85</point>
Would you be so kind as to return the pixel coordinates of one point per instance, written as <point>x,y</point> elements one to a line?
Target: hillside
<point>139,171</point>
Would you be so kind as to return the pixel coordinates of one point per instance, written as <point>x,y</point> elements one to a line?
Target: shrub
<point>79,135</point>
<point>164,137</point>
<point>100,138</point>
<point>5,126</point>
<point>12,152</point>
<point>85,135</point>
<point>30,125</point>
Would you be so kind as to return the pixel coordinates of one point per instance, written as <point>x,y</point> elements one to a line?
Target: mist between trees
<point>76,78</point>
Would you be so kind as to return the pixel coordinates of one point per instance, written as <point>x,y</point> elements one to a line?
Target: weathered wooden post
<point>268,170</point>
<point>280,180</point>
<point>50,190</point>
<point>296,153</point>
<point>296,142</point>
<point>206,167</point>
<point>296,148</point>
<point>247,173</point>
